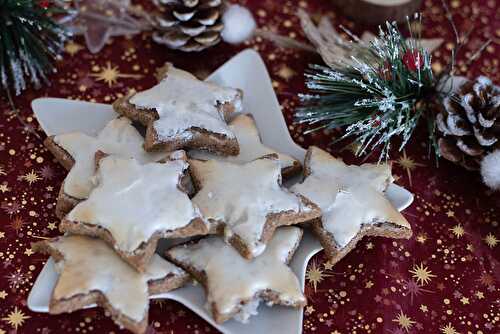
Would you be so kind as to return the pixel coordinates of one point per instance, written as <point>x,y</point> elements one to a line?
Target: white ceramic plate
<point>247,72</point>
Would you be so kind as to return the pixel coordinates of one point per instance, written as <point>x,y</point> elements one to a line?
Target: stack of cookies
<point>201,172</point>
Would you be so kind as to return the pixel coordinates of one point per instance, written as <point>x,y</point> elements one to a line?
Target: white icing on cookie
<point>133,201</point>
<point>90,265</point>
<point>242,196</point>
<point>349,196</point>
<point>251,147</point>
<point>118,137</point>
<point>183,102</point>
<point>232,279</point>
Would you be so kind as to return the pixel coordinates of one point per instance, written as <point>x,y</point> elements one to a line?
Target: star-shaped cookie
<point>133,205</point>
<point>90,272</point>
<point>352,200</point>
<point>246,202</point>
<point>234,285</point>
<point>76,150</point>
<point>184,112</point>
<point>251,147</point>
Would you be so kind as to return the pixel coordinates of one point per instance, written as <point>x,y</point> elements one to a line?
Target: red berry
<point>44,4</point>
<point>413,60</point>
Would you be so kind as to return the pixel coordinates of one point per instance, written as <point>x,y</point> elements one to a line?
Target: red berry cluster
<point>413,60</point>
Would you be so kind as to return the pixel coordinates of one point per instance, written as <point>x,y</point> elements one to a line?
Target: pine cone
<point>469,124</point>
<point>189,25</point>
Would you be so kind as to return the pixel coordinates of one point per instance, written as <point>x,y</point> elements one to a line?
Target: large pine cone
<point>189,25</point>
<point>469,124</point>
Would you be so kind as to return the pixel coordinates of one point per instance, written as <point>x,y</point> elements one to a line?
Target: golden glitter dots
<point>12,151</point>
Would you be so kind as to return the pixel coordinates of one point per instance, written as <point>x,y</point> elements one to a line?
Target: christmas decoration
<point>30,40</point>
<point>380,89</point>
<point>186,25</point>
<point>239,24</point>
<point>99,20</point>
<point>190,25</point>
<point>469,123</point>
<point>377,90</point>
<point>490,170</point>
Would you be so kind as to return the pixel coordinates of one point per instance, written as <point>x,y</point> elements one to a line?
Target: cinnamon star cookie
<point>251,147</point>
<point>352,200</point>
<point>76,150</point>
<point>90,272</point>
<point>234,285</point>
<point>246,202</point>
<point>184,112</point>
<point>133,205</point>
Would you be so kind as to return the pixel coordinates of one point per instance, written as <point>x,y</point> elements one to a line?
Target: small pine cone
<point>189,25</point>
<point>469,123</point>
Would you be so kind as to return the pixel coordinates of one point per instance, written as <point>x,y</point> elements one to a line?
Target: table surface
<point>445,279</point>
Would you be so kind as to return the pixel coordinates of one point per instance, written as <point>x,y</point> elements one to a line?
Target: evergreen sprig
<point>378,93</point>
<point>30,41</point>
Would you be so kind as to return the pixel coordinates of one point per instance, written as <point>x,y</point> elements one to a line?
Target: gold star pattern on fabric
<point>28,252</point>
<point>404,321</point>
<point>352,200</point>
<point>286,73</point>
<point>450,213</point>
<point>3,294</point>
<point>369,285</point>
<point>328,265</point>
<point>4,188</point>
<point>17,224</point>
<point>424,308</point>
<point>315,275</point>
<point>2,234</point>
<point>52,226</point>
<point>422,274</point>
<point>408,164</point>
<point>31,177</point>
<point>448,329</point>
<point>16,318</point>
<point>110,75</point>
<point>72,48</point>
<point>233,283</point>
<point>491,240</point>
<point>421,238</point>
<point>458,231</point>
<point>464,300</point>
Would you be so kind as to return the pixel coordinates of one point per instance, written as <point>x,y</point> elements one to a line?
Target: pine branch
<point>374,95</point>
<point>30,41</point>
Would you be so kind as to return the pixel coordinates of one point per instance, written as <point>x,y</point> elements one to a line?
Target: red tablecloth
<point>445,279</point>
